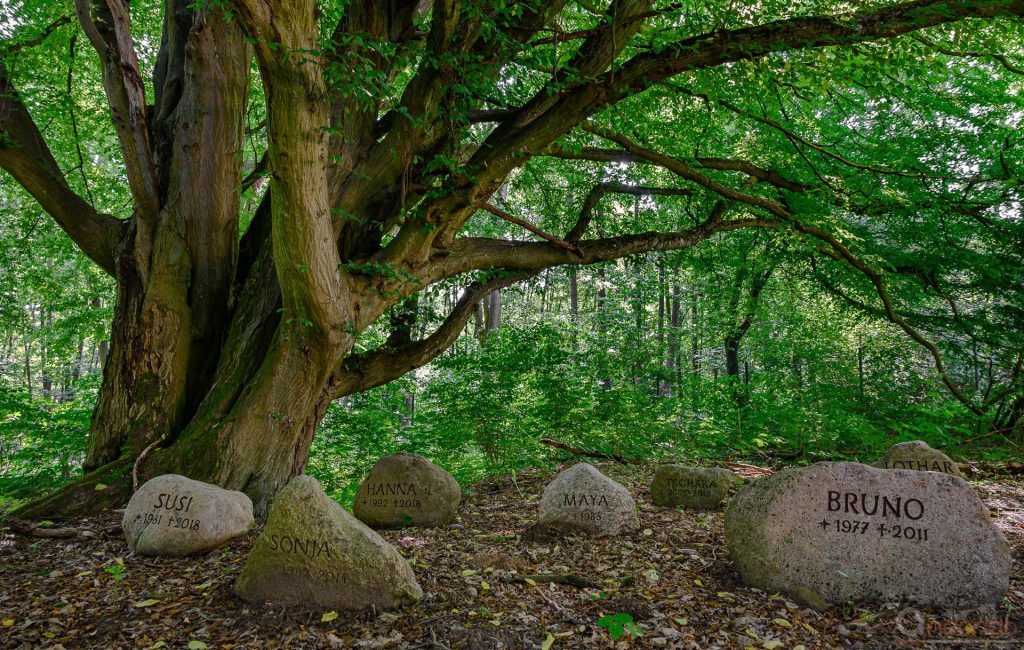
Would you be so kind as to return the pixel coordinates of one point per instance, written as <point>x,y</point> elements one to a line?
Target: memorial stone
<point>407,490</point>
<point>916,454</point>
<point>172,515</point>
<point>699,488</point>
<point>843,532</point>
<point>582,499</point>
<point>314,554</point>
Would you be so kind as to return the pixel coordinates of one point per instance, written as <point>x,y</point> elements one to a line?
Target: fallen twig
<point>570,579</point>
<point>746,470</point>
<point>138,463</point>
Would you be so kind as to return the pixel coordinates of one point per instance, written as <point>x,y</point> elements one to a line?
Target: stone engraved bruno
<point>895,507</point>
<point>842,532</point>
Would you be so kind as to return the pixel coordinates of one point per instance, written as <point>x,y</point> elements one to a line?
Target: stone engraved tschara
<point>695,487</point>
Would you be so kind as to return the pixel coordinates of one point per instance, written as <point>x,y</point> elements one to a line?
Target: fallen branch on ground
<point>22,527</point>
<point>745,470</point>
<point>583,452</point>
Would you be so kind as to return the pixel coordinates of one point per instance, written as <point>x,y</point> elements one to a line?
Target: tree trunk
<point>743,307</point>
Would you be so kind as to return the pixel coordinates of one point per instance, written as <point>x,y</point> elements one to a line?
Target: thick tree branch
<point>314,293</point>
<point>364,371</point>
<point>477,253</point>
<point>711,50</point>
<point>25,156</point>
<point>106,23</point>
<point>716,48</point>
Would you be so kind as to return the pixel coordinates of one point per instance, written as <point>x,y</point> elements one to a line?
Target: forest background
<point>751,345</point>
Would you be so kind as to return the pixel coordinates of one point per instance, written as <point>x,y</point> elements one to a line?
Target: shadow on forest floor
<point>674,578</point>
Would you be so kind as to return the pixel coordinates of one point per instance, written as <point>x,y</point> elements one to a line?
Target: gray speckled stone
<point>406,489</point>
<point>917,455</point>
<point>699,488</point>
<point>173,515</point>
<point>928,538</point>
<point>315,554</point>
<point>582,499</point>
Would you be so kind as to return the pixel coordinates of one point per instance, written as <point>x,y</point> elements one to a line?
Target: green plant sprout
<point>620,624</point>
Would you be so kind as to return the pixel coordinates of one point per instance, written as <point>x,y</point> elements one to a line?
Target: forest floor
<point>673,578</point>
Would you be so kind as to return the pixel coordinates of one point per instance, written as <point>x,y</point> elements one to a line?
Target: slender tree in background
<point>298,169</point>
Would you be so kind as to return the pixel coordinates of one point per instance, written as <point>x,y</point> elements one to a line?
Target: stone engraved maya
<point>174,516</point>
<point>846,531</point>
<point>582,499</point>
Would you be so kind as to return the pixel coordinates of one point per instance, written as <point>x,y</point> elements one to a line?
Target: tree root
<point>106,487</point>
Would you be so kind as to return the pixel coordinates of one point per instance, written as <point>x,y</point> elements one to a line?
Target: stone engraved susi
<point>174,503</point>
<point>174,515</point>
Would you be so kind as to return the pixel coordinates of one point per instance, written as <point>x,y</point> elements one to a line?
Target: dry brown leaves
<point>673,578</point>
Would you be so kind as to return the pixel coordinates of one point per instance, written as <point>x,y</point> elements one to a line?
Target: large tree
<point>381,130</point>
